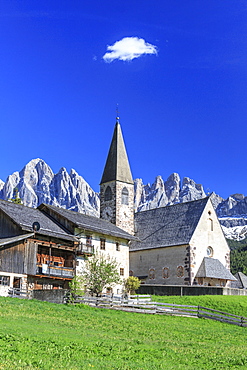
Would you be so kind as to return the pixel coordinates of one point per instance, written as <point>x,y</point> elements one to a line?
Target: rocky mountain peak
<point>36,184</point>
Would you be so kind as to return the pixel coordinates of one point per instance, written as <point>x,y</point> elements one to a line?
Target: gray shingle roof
<point>90,223</point>
<point>13,239</point>
<point>242,278</point>
<point>167,226</point>
<point>213,268</point>
<point>117,165</point>
<point>26,216</point>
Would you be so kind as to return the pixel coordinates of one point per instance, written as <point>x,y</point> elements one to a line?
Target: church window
<point>151,274</point>
<point>117,247</point>
<point>125,196</point>
<point>180,271</point>
<point>102,244</point>
<point>166,272</point>
<point>121,271</point>
<point>211,224</point>
<point>131,273</point>
<point>108,193</point>
<point>222,282</point>
<point>210,252</point>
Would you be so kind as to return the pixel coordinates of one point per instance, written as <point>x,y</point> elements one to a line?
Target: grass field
<point>41,335</point>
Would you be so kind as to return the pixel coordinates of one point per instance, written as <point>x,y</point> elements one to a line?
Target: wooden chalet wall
<point>19,258</point>
<point>8,227</point>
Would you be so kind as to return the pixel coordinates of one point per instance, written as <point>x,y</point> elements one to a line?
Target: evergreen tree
<point>16,198</point>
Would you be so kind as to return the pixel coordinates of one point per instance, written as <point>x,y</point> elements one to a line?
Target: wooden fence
<point>18,293</point>
<point>143,304</point>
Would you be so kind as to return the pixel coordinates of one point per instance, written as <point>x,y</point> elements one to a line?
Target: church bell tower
<point>117,186</point>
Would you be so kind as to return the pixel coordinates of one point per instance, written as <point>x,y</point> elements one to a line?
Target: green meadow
<point>41,335</point>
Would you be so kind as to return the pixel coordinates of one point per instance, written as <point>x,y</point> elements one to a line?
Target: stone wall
<point>50,295</point>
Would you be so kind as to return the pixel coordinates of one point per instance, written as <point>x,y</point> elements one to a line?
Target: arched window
<point>180,271</point>
<point>166,272</point>
<point>151,274</point>
<point>211,224</point>
<point>108,193</point>
<point>125,196</point>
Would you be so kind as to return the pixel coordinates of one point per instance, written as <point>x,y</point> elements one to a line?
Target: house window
<point>180,271</point>
<point>102,244</point>
<point>151,274</point>
<point>125,196</point>
<point>108,193</point>
<point>4,280</point>
<point>121,271</point>
<point>166,272</point>
<point>117,247</point>
<point>89,239</point>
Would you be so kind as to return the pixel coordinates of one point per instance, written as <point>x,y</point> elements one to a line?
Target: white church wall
<point>208,240</point>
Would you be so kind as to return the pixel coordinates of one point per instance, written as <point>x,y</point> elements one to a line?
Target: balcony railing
<point>85,248</point>
<point>48,270</point>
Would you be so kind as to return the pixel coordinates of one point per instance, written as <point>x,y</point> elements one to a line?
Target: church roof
<point>89,223</point>
<point>213,268</point>
<point>117,165</point>
<point>167,226</point>
<point>242,279</point>
<point>24,217</point>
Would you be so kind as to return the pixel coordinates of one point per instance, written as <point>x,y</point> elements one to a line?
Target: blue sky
<point>177,69</point>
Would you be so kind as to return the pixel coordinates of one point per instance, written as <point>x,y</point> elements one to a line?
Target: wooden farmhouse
<point>44,259</point>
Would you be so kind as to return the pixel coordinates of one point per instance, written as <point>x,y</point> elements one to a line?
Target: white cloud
<point>128,48</point>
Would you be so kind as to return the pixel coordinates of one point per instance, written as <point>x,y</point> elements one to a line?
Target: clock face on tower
<point>124,213</point>
<point>107,213</point>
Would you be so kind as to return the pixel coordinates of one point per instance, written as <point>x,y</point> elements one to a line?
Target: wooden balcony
<point>85,249</point>
<point>55,271</point>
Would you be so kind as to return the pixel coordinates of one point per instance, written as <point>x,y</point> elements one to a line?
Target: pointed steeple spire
<point>117,166</point>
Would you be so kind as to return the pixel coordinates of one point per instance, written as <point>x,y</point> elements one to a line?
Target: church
<point>181,244</point>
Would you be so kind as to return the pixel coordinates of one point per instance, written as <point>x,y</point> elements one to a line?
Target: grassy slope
<point>236,305</point>
<point>40,335</point>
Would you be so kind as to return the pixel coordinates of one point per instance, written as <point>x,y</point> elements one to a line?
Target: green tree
<point>131,284</point>
<point>77,288</point>
<point>100,272</point>
<point>16,198</point>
